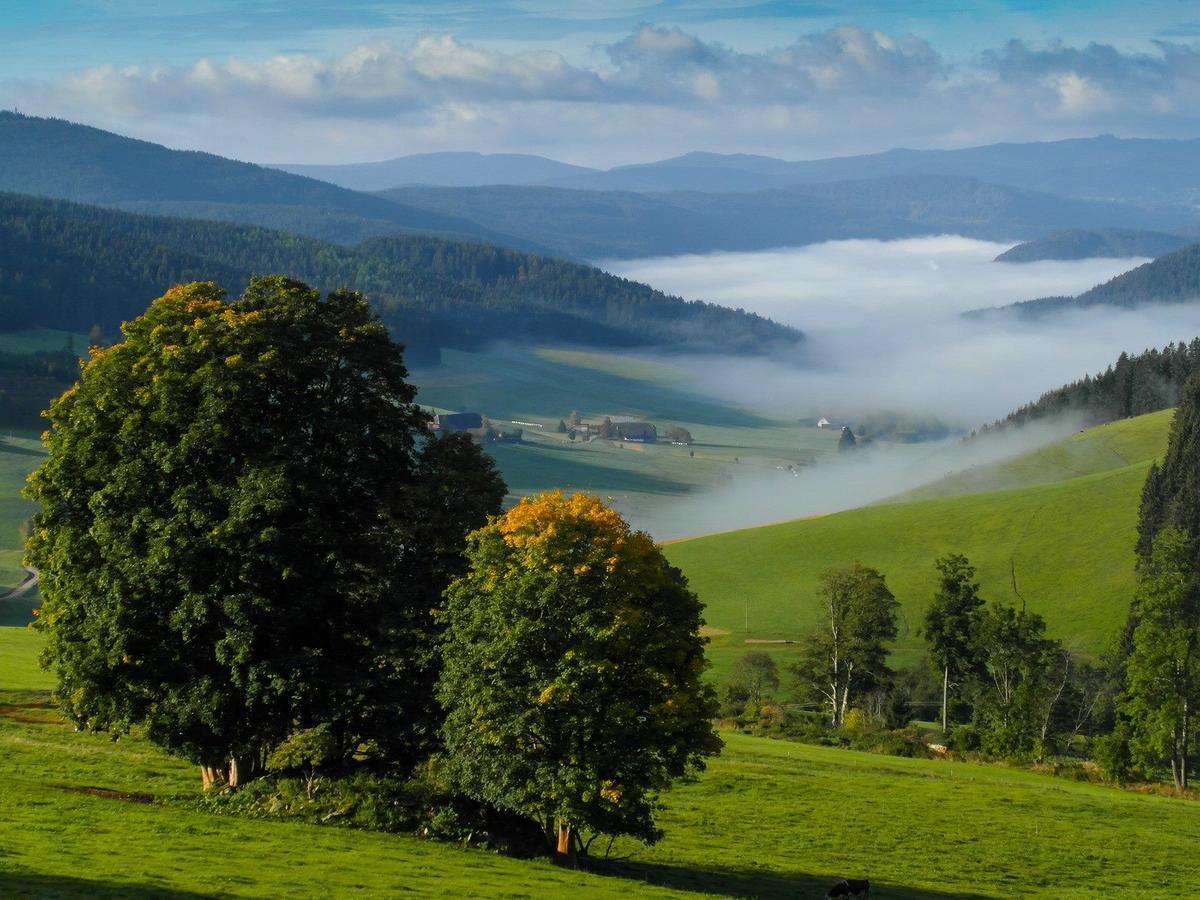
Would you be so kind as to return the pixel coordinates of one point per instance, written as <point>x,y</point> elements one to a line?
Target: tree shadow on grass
<point>7,446</point>
<point>756,883</point>
<point>16,883</point>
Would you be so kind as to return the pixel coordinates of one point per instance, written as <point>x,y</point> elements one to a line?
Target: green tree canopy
<point>846,654</point>
<point>757,674</point>
<point>1163,667</point>
<point>952,624</point>
<point>242,528</point>
<point>1023,680</point>
<point>573,678</point>
<point>1171,496</point>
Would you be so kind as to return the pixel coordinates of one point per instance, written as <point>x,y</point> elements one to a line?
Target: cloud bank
<point>885,330</point>
<point>656,91</point>
<point>886,334</point>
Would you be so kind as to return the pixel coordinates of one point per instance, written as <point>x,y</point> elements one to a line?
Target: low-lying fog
<point>886,332</point>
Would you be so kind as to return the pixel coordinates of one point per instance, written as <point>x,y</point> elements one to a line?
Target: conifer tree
<point>1171,496</point>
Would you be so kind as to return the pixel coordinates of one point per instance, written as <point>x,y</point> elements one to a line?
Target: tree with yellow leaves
<point>572,675</point>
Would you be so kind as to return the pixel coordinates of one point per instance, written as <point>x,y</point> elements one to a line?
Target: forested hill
<point>1143,383</point>
<point>69,266</point>
<point>56,158</point>
<point>1081,243</point>
<point>1172,278</point>
<point>608,224</point>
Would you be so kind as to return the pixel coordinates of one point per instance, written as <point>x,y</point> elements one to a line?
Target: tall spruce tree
<point>1171,496</point>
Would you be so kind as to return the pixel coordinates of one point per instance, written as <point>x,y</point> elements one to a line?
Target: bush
<point>809,728</point>
<point>963,739</point>
<point>899,742</point>
<point>1112,753</point>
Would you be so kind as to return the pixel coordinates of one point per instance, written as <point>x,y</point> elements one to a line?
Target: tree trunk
<point>566,845</point>
<point>233,773</point>
<point>945,696</point>
<point>1183,747</point>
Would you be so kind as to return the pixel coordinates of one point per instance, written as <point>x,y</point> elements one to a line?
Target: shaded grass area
<point>42,340</point>
<point>534,383</point>
<point>1064,548</point>
<point>768,819</point>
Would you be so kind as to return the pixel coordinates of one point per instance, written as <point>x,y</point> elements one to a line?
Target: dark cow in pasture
<point>850,887</point>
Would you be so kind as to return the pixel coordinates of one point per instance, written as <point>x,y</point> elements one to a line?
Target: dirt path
<point>31,577</point>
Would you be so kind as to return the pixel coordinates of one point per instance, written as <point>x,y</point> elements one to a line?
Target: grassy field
<point>1065,547</point>
<point>83,816</point>
<point>545,385</point>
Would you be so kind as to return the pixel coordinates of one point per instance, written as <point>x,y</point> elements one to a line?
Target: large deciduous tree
<point>243,529</point>
<point>846,654</point>
<point>1023,679</point>
<point>952,624</point>
<point>573,677</point>
<point>1163,667</point>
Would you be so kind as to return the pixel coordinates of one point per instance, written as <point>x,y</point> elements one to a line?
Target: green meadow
<point>84,816</point>
<point>1062,547</point>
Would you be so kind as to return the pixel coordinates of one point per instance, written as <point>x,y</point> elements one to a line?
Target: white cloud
<point>656,91</point>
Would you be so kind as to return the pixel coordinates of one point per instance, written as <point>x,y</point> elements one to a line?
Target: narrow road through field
<point>31,577</point>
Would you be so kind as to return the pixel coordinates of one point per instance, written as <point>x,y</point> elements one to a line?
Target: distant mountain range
<point>603,224</point>
<point>697,203</point>
<point>1080,243</point>
<point>1107,168</point>
<point>443,170</point>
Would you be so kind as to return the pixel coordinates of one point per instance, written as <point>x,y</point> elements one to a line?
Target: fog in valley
<point>886,333</point>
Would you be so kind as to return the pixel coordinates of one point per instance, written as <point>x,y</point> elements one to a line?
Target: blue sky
<point>601,81</point>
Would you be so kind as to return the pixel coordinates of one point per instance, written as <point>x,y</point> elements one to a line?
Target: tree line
<point>1143,383</point>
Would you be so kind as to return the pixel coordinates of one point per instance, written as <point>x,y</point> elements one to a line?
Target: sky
<point>602,82</point>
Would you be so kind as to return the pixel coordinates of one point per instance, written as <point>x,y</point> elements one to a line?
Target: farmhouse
<point>447,423</point>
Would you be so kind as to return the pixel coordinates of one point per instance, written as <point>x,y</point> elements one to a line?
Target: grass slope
<point>1064,547</point>
<point>83,816</point>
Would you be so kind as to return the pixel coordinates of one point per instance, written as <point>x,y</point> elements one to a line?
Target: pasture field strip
<point>639,368</point>
<point>42,340</point>
<point>1105,447</point>
<point>84,816</point>
<point>514,384</point>
<point>1069,545</point>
